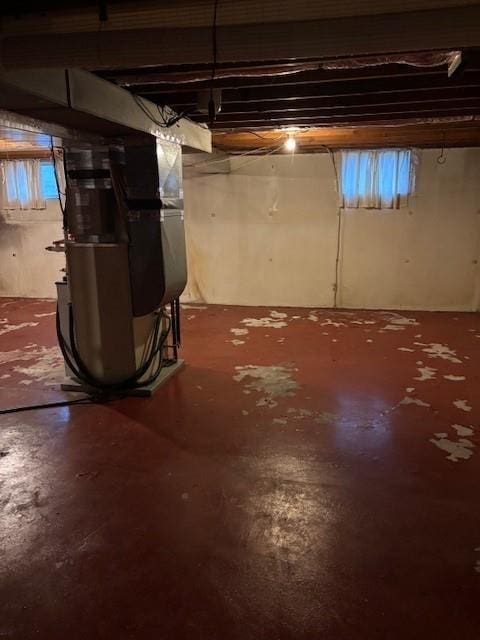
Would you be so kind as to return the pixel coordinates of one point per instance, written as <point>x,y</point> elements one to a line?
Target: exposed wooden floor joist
<point>459,134</point>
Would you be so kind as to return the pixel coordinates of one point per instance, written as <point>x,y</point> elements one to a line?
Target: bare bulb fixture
<point>290,144</point>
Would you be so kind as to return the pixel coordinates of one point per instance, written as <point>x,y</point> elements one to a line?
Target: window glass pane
<point>387,172</point>
<point>363,174</point>
<point>375,178</point>
<point>47,180</point>
<point>405,158</point>
<point>11,182</point>
<point>22,183</point>
<point>350,164</point>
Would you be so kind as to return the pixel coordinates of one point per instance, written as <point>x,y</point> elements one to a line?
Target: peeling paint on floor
<point>398,319</point>
<point>463,405</point>
<point>426,373</point>
<point>269,322</point>
<point>442,351</point>
<point>460,449</point>
<point>454,378</point>
<point>274,381</point>
<point>410,400</point>
<point>308,469</point>
<point>239,332</point>
<point>278,315</point>
<point>45,364</point>
<point>463,431</point>
<point>361,322</point>
<point>397,322</point>
<point>7,328</point>
<point>332,323</point>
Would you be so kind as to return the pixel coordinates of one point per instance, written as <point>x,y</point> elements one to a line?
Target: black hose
<point>80,370</point>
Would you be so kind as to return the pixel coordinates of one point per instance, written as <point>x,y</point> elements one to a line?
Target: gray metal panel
<point>63,301</point>
<point>158,264</point>
<point>157,254</point>
<point>14,126</point>
<point>27,89</point>
<point>100,292</point>
<point>174,254</point>
<point>82,100</point>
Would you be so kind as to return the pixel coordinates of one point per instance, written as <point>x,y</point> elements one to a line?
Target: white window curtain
<point>20,185</point>
<point>376,179</point>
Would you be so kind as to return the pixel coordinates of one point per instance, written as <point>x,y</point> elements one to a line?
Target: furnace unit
<point>120,177</point>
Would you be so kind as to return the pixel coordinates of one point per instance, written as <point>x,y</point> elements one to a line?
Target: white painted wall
<point>26,269</point>
<point>266,234</point>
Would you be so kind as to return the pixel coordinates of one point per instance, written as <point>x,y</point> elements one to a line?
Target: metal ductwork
<point>119,159</point>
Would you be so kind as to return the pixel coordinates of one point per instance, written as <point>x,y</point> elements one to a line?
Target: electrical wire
<point>100,393</point>
<point>164,122</point>
<point>257,135</point>
<point>53,405</point>
<point>260,151</point>
<point>211,102</point>
<point>252,160</point>
<point>81,372</point>
<point>339,228</point>
<point>442,158</point>
<point>57,182</point>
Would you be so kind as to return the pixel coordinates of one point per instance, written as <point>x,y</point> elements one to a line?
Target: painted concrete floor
<point>310,474</point>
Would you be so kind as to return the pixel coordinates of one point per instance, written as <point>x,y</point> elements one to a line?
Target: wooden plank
<point>443,97</point>
<point>410,30</point>
<point>147,83</point>
<point>22,154</point>
<point>461,134</point>
<point>470,106</point>
<point>374,117</point>
<point>377,86</point>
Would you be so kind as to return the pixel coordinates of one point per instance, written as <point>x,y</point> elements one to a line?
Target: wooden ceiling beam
<point>150,85</point>
<point>25,154</point>
<point>378,86</point>
<point>421,135</point>
<point>150,43</point>
<point>332,120</point>
<point>350,104</point>
<point>410,111</point>
<point>179,78</point>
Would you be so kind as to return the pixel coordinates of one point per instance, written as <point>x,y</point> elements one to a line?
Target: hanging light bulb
<point>290,144</point>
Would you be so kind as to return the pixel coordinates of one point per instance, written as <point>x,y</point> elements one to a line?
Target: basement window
<point>376,178</point>
<point>26,184</point>
<point>48,181</point>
